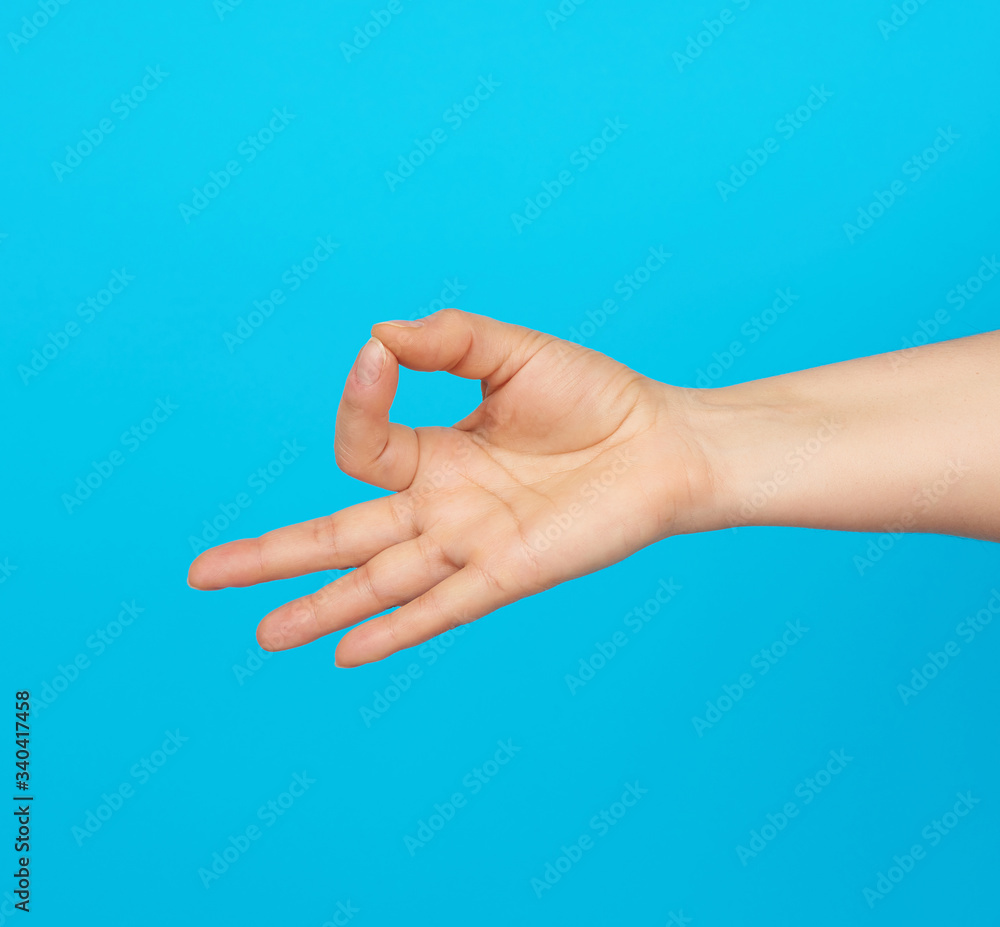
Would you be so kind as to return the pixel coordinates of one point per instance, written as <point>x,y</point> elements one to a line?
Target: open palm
<point>571,462</point>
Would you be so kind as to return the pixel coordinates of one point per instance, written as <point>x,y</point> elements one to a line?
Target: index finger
<point>347,538</point>
<point>467,345</point>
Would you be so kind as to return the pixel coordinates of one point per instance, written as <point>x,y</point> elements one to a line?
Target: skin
<point>573,462</point>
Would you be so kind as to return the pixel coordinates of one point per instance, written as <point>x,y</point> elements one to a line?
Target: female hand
<point>571,462</point>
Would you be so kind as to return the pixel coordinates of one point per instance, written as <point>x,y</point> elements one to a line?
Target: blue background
<point>673,857</point>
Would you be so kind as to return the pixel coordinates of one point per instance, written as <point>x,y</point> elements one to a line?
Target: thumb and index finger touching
<point>371,448</point>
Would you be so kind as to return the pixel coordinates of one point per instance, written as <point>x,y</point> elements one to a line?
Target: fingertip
<point>348,654</point>
<point>399,334</point>
<point>398,324</point>
<point>372,381</point>
<point>370,363</point>
<point>282,629</point>
<point>202,575</point>
<point>265,640</point>
<point>367,446</point>
<point>344,659</point>
<point>363,644</point>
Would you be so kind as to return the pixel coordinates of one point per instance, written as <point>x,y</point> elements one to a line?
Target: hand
<point>571,462</point>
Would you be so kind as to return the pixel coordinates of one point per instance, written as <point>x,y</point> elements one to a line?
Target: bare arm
<point>906,441</point>
<point>573,462</point>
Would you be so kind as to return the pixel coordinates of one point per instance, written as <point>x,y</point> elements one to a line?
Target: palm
<point>545,464</point>
<point>558,472</point>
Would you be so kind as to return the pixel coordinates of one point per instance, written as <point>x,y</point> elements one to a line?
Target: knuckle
<point>325,537</point>
<point>437,608</point>
<point>372,587</point>
<point>514,571</point>
<point>347,461</point>
<point>307,612</point>
<point>448,315</point>
<point>392,630</point>
<point>433,551</point>
<point>261,555</point>
<point>493,575</point>
<point>340,454</point>
<point>403,512</point>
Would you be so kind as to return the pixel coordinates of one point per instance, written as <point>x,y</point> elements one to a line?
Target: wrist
<point>754,442</point>
<point>862,445</point>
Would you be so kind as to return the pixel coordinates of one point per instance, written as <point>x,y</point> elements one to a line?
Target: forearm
<point>908,441</point>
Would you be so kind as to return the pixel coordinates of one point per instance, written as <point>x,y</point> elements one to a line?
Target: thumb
<point>368,446</point>
<point>472,346</point>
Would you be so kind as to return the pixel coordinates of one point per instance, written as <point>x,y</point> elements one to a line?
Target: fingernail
<point>404,323</point>
<point>371,360</point>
